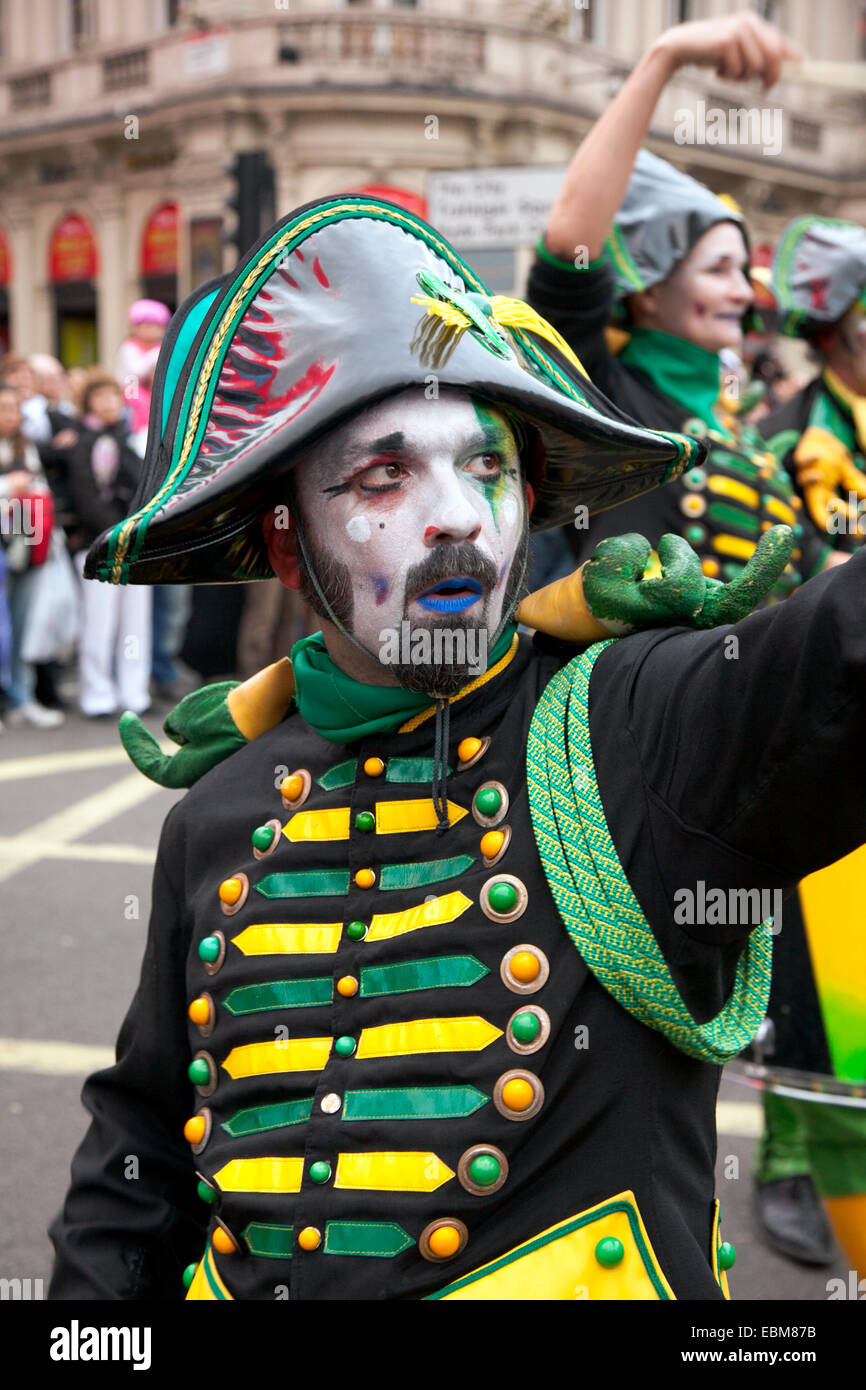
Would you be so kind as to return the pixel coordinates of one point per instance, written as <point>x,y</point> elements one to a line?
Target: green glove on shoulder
<point>617,592</point>
<point>209,725</point>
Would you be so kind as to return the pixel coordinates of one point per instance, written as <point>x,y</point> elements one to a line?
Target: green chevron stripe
<point>343,775</point>
<point>413,1103</point>
<point>315,883</point>
<point>737,518</point>
<point>382,1238</point>
<point>410,770</point>
<point>428,871</point>
<point>258,1118</point>
<point>274,1242</point>
<point>279,994</point>
<point>437,972</point>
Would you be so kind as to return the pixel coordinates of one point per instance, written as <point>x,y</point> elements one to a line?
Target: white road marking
<point>53,1058</point>
<point>18,852</point>
<point>739,1119</point>
<point>53,764</point>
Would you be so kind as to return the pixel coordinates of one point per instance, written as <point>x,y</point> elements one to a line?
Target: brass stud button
<point>503,898</point>
<point>263,846</point>
<point>518,1095</point>
<point>295,788</point>
<point>527,1029</point>
<point>212,952</point>
<point>482,1169</point>
<point>443,1239</point>
<point>233,893</point>
<point>524,969</point>
<point>490,803</point>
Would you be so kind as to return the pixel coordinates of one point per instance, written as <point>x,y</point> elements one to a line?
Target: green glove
<point>200,723</point>
<point>616,591</point>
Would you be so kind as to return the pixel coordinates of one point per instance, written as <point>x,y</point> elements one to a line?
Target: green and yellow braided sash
<point>594,897</point>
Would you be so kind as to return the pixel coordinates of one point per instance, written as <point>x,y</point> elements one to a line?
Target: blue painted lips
<point>451,596</point>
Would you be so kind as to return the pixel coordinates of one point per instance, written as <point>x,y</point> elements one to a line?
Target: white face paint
<point>414,479</point>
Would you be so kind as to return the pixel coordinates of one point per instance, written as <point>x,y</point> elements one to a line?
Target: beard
<point>443,677</point>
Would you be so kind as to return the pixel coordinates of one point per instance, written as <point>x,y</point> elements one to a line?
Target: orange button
<point>230,890</point>
<point>374,767</point>
<point>525,967</point>
<point>309,1238</point>
<point>491,843</point>
<point>444,1241</point>
<point>365,878</point>
<point>291,787</point>
<point>710,568</point>
<point>347,986</point>
<point>467,748</point>
<point>517,1094</point>
<point>222,1241</point>
<point>193,1130</point>
<point>199,1011</point>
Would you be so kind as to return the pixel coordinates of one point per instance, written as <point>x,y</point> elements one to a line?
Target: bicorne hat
<point>344,302</point>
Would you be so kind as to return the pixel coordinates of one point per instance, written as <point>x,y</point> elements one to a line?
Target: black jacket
<point>734,771</point>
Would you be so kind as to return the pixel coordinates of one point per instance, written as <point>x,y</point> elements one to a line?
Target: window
<point>82,22</point>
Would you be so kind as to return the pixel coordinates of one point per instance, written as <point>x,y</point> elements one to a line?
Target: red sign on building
<point>159,242</point>
<point>72,250</point>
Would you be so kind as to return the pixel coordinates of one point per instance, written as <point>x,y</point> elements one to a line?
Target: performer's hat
<point>664,212</point>
<point>819,271</point>
<point>347,301</point>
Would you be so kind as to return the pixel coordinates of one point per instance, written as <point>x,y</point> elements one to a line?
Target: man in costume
<point>417,1017</point>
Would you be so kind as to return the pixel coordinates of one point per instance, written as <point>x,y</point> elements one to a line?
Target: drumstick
<point>851,76</point>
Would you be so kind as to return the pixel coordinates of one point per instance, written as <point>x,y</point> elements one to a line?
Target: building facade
<point>117,122</point>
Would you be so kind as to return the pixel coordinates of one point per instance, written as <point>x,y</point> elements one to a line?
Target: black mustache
<point>446,562</point>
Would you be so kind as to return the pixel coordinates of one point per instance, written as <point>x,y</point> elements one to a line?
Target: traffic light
<point>252,200</point>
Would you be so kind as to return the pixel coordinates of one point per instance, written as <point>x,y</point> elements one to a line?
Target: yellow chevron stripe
<point>393,817</point>
<point>392,1172</point>
<point>730,487</point>
<point>778,509</point>
<point>318,825</point>
<point>266,1058</point>
<point>260,1175</point>
<point>734,545</point>
<point>448,908</point>
<point>289,939</point>
<point>205,1278</point>
<point>427,1035</point>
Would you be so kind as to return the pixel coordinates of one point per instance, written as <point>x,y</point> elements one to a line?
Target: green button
<point>695,478</point>
<point>209,949</point>
<point>356,931</point>
<point>263,838</point>
<point>488,801</point>
<point>502,897</point>
<point>727,1255</point>
<point>320,1172</point>
<point>609,1252</point>
<point>189,1275</point>
<point>525,1028</point>
<point>344,1047</point>
<point>695,535</point>
<point>484,1170</point>
<point>366,821</point>
<point>206,1192</point>
<point>199,1072</point>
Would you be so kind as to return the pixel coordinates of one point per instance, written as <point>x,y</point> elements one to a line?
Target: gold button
<point>309,1238</point>
<point>374,767</point>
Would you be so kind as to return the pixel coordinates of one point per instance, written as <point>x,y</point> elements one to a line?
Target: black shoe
<point>791,1220</point>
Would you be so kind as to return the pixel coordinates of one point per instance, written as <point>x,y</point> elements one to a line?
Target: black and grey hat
<point>346,301</point>
<point>819,271</point>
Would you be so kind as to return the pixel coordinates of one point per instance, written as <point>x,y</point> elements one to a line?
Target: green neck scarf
<point>688,374</point>
<point>342,709</point>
